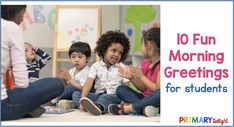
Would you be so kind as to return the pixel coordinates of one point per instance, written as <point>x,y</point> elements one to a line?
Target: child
<point>34,65</point>
<point>147,81</point>
<point>112,47</point>
<point>79,54</point>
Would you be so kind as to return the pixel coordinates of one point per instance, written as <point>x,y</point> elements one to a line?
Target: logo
<point>203,120</point>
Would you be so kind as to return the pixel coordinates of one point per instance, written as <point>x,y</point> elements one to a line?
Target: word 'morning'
<point>206,56</point>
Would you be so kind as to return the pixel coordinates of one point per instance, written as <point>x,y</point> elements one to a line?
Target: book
<point>57,110</point>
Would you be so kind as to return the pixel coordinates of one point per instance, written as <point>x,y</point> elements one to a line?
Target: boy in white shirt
<point>79,54</point>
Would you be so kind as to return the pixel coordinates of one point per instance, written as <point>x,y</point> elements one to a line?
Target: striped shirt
<point>37,65</point>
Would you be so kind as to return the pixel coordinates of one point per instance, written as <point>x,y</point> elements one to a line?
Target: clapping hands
<point>130,72</point>
<point>63,74</point>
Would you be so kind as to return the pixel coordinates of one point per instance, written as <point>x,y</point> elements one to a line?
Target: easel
<point>58,49</point>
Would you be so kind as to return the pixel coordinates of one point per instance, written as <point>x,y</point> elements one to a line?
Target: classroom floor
<point>84,117</point>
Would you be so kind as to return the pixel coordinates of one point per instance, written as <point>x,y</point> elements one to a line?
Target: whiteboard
<point>77,24</point>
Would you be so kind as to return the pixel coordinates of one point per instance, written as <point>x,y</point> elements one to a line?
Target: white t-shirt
<point>13,54</point>
<point>106,80</point>
<point>80,77</point>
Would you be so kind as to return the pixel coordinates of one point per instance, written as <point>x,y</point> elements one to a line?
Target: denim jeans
<point>68,91</point>
<point>21,101</point>
<point>138,100</point>
<point>102,99</point>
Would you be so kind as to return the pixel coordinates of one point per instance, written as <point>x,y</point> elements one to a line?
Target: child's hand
<point>64,74</point>
<point>136,72</point>
<point>35,49</point>
<point>125,72</point>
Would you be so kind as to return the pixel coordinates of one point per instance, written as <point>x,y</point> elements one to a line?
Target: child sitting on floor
<point>146,80</point>
<point>112,47</point>
<point>34,65</point>
<point>79,54</point>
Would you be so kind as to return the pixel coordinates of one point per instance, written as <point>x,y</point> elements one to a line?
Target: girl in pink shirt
<point>146,80</point>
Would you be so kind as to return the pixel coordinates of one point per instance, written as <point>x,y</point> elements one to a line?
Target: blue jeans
<point>21,101</point>
<point>138,100</point>
<point>68,91</point>
<point>102,99</point>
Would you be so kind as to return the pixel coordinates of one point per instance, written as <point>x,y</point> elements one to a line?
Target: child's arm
<point>64,74</point>
<point>148,83</point>
<point>90,80</point>
<point>87,87</point>
<point>127,73</point>
<point>76,84</point>
<point>138,84</point>
<point>45,57</point>
<point>158,80</point>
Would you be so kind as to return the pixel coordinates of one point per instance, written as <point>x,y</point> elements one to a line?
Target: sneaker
<point>150,111</point>
<point>55,101</point>
<point>66,104</point>
<point>90,106</point>
<point>37,112</point>
<point>116,109</point>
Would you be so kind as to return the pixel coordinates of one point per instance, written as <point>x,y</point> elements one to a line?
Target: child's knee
<point>121,90</point>
<point>76,94</point>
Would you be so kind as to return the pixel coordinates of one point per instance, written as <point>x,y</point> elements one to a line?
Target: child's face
<point>78,60</point>
<point>29,52</point>
<point>113,53</point>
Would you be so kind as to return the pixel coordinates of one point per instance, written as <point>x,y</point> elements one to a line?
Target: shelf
<point>63,60</point>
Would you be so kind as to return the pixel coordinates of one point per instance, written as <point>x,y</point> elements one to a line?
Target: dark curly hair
<point>110,37</point>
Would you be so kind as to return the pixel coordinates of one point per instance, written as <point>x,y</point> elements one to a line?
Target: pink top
<point>147,72</point>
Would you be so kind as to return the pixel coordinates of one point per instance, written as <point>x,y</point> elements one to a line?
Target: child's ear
<point>148,44</point>
<point>87,59</point>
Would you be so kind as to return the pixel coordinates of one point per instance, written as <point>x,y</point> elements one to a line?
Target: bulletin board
<point>77,23</point>
<point>73,24</point>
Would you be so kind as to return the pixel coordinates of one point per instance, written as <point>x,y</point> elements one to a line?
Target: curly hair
<point>110,37</point>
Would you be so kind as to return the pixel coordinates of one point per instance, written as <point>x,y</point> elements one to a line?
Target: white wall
<point>110,18</point>
<point>41,34</point>
<point>37,32</point>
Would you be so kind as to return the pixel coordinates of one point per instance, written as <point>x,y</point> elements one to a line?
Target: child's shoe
<point>90,106</point>
<point>37,112</point>
<point>55,101</point>
<point>150,111</point>
<point>116,109</point>
<point>66,104</point>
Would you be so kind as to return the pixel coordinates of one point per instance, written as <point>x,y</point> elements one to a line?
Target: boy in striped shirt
<point>33,64</point>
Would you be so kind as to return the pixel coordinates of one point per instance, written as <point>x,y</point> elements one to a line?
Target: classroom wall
<point>38,28</point>
<point>39,22</point>
<point>110,18</point>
